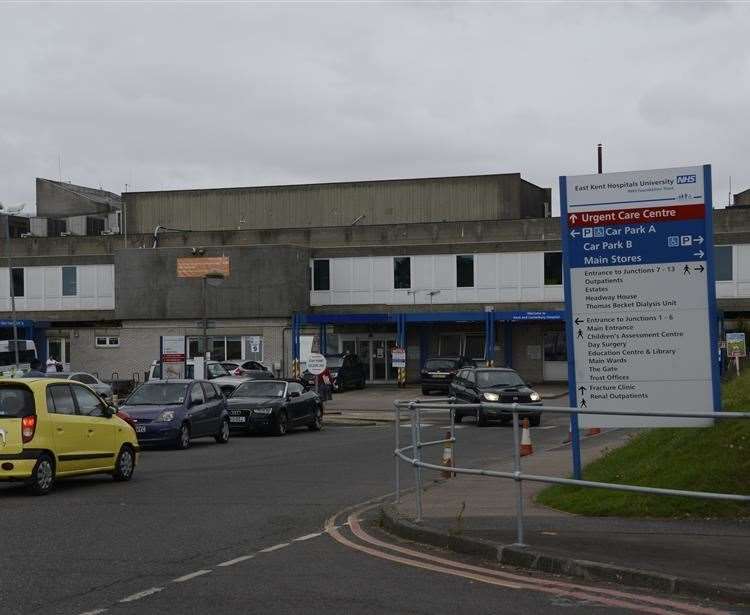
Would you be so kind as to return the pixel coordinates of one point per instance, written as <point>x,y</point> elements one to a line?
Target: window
<point>723,260</point>
<point>449,345</point>
<point>94,226</point>
<point>56,226</point>
<point>62,399</point>
<point>85,378</point>
<point>107,341</point>
<point>294,388</point>
<point>555,348</point>
<point>402,272</point>
<point>18,285</point>
<point>321,274</point>
<point>234,348</point>
<point>474,346</point>
<point>16,401</point>
<point>553,268</point>
<point>222,348</point>
<point>88,403</point>
<point>209,391</point>
<point>196,395</point>
<point>465,271</point>
<point>69,281</point>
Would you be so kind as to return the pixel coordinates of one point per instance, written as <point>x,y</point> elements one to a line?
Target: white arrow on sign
<point>699,253</point>
<point>573,218</point>
<point>573,234</point>
<point>699,239</point>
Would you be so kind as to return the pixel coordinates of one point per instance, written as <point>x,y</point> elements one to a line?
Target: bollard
<point>397,423</point>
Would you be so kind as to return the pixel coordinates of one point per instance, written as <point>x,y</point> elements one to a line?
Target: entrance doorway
<point>59,349</point>
<point>375,353</point>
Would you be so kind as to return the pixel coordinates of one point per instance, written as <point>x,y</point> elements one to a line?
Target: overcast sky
<point>166,96</point>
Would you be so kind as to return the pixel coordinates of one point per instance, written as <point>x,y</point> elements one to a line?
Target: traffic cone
<point>447,457</point>
<point>526,448</point>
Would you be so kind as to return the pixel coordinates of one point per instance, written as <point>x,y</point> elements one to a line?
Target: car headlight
<point>166,416</point>
<point>491,396</point>
<point>262,410</point>
<point>535,396</point>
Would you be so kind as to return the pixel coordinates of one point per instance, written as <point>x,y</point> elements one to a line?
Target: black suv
<point>493,384</point>
<point>438,372</point>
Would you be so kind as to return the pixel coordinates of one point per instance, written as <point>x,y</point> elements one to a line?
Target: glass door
<point>364,352</point>
<point>379,360</point>
<point>58,348</point>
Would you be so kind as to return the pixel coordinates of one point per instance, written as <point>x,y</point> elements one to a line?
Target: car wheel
<point>43,475</point>
<point>281,425</point>
<point>535,421</point>
<point>317,422</point>
<point>481,419</point>
<point>223,436</point>
<point>183,437</point>
<point>124,465</point>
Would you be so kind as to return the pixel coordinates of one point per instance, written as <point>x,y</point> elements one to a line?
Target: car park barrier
<point>417,409</point>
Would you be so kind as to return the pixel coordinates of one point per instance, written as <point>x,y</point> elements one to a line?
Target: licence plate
<point>140,429</point>
<point>438,375</point>
<point>237,419</point>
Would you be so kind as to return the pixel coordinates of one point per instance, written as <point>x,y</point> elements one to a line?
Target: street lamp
<point>9,211</point>
<point>214,278</point>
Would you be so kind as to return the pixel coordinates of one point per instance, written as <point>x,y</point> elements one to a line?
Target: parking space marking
<point>307,537</point>
<point>234,561</point>
<point>143,594</point>
<point>274,548</point>
<point>192,575</point>
<point>94,612</point>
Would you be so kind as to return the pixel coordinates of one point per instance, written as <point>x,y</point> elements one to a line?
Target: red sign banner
<point>640,215</point>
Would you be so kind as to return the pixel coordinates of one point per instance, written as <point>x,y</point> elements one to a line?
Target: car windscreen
<point>216,370</point>
<point>259,389</point>
<point>16,402</point>
<point>160,394</point>
<point>58,375</point>
<point>499,379</point>
<point>334,361</point>
<point>441,364</point>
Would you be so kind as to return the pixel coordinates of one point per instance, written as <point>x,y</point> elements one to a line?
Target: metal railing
<point>417,407</point>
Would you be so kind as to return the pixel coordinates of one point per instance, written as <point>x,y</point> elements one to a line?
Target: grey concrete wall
<point>264,281</point>
<point>484,197</point>
<point>62,200</point>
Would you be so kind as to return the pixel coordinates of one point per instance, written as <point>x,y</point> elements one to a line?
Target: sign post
<point>398,361</point>
<point>316,365</point>
<point>736,348</point>
<point>172,356</point>
<point>640,296</point>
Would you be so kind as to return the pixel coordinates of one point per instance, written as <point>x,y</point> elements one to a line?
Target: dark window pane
<point>88,403</point>
<point>18,285</point>
<point>402,272</point>
<point>16,401</point>
<point>322,274</point>
<point>465,271</point>
<point>553,268</point>
<point>474,346</point>
<point>94,226</point>
<point>63,399</point>
<point>555,348</point>
<point>69,281</point>
<point>723,263</point>
<point>234,348</point>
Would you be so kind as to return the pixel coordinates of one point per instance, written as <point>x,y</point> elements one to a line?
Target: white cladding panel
<point>95,289</point>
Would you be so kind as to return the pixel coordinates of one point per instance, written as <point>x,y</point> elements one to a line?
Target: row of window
<point>321,278</point>
<point>69,281</point>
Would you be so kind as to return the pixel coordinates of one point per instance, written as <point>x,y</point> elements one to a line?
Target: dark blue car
<point>175,411</point>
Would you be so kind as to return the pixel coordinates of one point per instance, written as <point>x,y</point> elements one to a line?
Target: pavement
<point>477,514</point>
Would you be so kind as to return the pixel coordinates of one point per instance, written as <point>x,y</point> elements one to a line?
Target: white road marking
<point>94,612</point>
<point>421,425</point>
<point>234,561</point>
<point>307,537</point>
<point>192,575</point>
<point>274,548</point>
<point>546,427</point>
<point>143,594</point>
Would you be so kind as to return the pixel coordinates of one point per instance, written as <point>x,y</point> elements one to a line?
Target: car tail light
<point>126,417</point>
<point>28,427</point>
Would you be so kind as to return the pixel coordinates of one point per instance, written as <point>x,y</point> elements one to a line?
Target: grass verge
<point>707,459</point>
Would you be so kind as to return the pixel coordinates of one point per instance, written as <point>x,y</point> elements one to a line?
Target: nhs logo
<point>686,179</point>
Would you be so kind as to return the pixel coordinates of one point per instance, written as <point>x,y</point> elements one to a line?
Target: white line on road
<point>94,612</point>
<point>234,561</point>
<point>274,548</point>
<point>143,594</point>
<point>192,575</point>
<point>307,537</point>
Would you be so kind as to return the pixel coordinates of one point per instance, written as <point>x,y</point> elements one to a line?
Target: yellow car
<point>51,429</point>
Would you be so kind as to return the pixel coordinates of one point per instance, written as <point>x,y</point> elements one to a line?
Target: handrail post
<point>517,477</point>
<point>452,401</point>
<point>397,427</point>
<point>417,457</point>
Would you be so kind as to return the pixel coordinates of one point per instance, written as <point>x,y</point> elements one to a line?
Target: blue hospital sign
<point>639,292</point>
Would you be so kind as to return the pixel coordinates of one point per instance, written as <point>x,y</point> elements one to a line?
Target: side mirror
<point>294,394</point>
<point>109,411</point>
